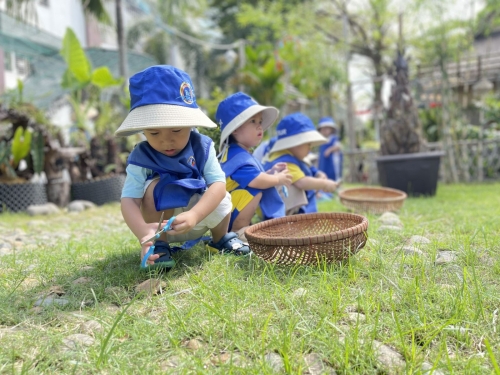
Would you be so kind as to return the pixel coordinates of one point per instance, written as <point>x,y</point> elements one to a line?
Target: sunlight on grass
<point>220,314</point>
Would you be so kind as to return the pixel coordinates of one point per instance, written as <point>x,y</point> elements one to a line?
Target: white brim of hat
<point>156,116</point>
<point>312,137</point>
<point>269,116</point>
<point>327,125</point>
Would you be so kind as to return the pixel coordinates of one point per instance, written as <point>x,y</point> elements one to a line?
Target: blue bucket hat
<point>162,96</point>
<point>237,109</point>
<point>295,130</point>
<point>327,122</point>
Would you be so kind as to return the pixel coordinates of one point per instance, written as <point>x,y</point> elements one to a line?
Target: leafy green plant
<point>84,82</point>
<point>262,76</point>
<point>5,165</point>
<point>37,152</point>
<point>210,106</point>
<point>21,145</point>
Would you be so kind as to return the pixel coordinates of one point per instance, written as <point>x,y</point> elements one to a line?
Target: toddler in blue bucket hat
<point>175,171</point>
<point>296,135</point>
<point>330,156</point>
<point>243,123</point>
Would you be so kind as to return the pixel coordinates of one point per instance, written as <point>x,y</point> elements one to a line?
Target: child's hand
<point>331,150</point>
<point>150,230</point>
<point>330,186</point>
<point>278,167</point>
<point>183,223</point>
<point>144,250</point>
<point>284,178</point>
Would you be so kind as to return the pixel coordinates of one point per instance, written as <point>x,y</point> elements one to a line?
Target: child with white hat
<point>243,123</point>
<point>330,156</point>
<point>175,171</point>
<point>296,136</point>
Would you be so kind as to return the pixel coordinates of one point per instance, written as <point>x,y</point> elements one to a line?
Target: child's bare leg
<point>221,229</point>
<point>244,218</point>
<point>148,209</point>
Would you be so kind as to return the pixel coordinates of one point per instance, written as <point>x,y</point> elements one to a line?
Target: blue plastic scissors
<point>159,231</point>
<point>284,189</point>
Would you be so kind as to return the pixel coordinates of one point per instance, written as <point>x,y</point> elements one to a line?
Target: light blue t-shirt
<point>137,176</point>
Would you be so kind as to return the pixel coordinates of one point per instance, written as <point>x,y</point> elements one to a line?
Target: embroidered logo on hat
<point>187,93</point>
<point>281,132</point>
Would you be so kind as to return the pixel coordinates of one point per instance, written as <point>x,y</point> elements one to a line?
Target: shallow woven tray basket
<point>308,238</point>
<point>375,200</point>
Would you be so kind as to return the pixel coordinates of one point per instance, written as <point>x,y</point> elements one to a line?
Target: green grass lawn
<point>227,315</point>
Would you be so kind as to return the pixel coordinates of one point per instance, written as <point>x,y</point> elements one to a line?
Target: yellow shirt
<point>294,169</point>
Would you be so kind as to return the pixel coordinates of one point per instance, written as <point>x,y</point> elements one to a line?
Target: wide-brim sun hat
<point>162,96</point>
<point>237,109</point>
<point>295,130</point>
<point>327,122</point>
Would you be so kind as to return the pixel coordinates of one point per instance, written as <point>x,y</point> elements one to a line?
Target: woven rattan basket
<point>308,238</point>
<point>375,200</point>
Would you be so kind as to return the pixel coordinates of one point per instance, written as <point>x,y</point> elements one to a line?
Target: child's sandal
<point>165,260</point>
<point>230,244</point>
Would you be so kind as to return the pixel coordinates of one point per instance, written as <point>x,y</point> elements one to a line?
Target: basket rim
<point>401,195</point>
<point>337,235</point>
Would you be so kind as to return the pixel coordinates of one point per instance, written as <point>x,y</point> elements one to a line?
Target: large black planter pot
<point>415,174</point>
<point>17,197</point>
<point>100,190</point>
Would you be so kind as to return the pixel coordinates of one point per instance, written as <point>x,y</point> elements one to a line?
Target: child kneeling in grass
<point>296,135</point>
<point>243,123</point>
<point>175,171</point>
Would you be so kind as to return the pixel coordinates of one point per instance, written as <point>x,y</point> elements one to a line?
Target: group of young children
<point>176,173</point>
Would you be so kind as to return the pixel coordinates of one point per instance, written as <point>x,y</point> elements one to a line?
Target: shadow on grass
<point>85,276</point>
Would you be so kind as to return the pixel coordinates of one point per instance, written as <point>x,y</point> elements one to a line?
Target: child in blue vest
<point>175,171</point>
<point>296,136</point>
<point>243,123</point>
<point>330,154</point>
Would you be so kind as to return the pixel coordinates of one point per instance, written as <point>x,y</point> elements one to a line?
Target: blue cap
<point>161,84</point>
<point>327,122</point>
<point>162,96</point>
<point>294,130</point>
<point>237,109</point>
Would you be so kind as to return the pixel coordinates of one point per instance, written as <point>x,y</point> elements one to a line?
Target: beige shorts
<point>211,221</point>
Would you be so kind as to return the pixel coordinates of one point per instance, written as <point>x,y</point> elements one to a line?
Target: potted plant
<point>96,174</point>
<point>402,165</point>
<point>104,163</point>
<point>22,144</point>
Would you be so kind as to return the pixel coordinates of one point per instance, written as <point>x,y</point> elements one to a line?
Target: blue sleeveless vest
<point>310,194</point>
<point>181,175</point>
<point>271,204</point>
<point>325,164</point>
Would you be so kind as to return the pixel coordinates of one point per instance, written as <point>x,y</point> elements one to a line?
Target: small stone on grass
<point>76,341</point>
<point>315,365</point>
<point>300,292</point>
<point>275,361</point>
<point>151,287</point>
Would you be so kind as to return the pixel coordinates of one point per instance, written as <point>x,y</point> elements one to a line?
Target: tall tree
<point>156,33</point>
<point>488,19</point>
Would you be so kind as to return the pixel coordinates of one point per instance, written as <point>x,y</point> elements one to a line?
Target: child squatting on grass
<point>296,136</point>
<point>243,123</point>
<point>175,170</point>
